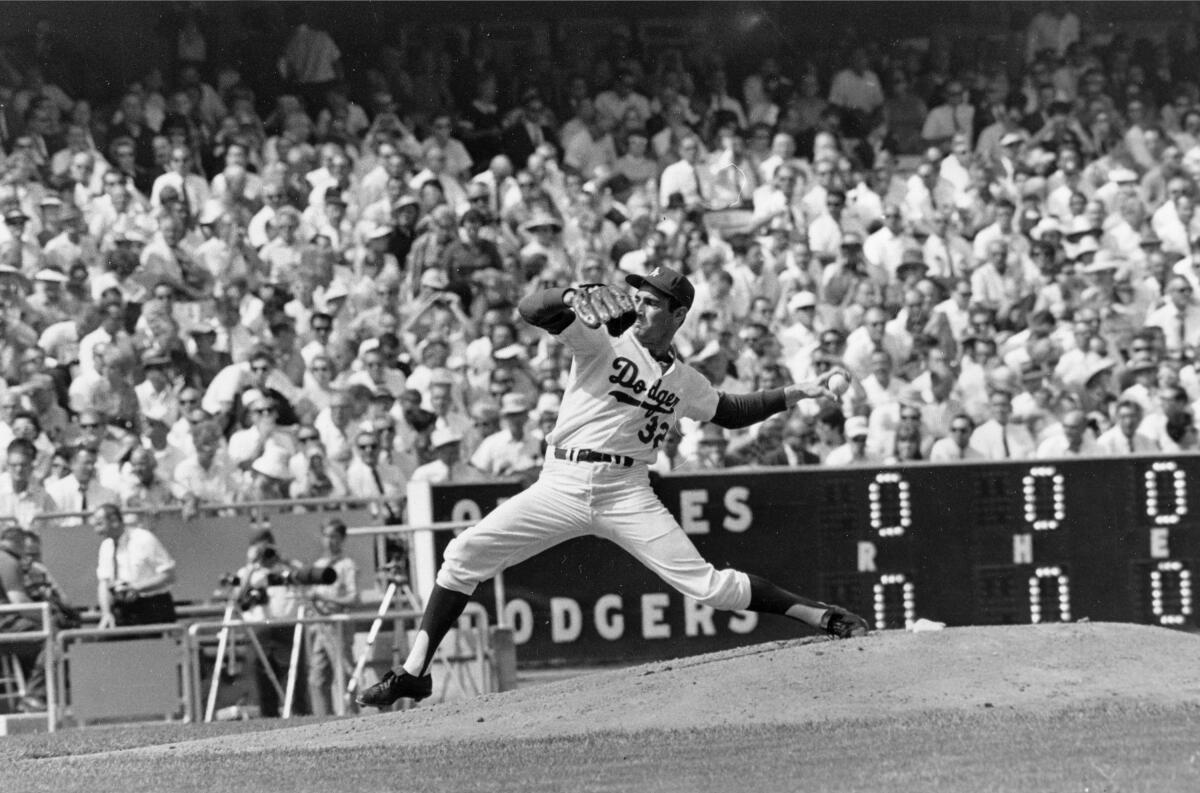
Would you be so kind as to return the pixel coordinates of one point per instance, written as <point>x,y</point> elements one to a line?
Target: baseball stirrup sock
<point>770,598</point>
<point>443,610</point>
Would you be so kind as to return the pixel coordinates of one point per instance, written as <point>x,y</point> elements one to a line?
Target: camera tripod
<point>227,640</point>
<point>397,586</point>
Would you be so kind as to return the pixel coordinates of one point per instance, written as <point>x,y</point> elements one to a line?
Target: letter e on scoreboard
<point>691,511</point>
<point>1160,543</point>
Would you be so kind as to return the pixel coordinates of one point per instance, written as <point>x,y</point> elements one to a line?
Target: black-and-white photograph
<point>603,397</point>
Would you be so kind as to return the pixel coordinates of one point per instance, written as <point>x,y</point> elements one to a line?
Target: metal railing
<point>200,635</point>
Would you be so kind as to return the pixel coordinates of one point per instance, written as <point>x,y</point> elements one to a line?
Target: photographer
<point>264,595</point>
<point>336,598</point>
<point>13,591</point>
<point>133,572</point>
<point>42,587</point>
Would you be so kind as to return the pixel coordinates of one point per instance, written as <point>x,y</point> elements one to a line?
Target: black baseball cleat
<point>396,686</point>
<point>842,624</point>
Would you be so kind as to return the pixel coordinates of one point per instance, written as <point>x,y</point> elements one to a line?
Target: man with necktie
<point>134,572</point>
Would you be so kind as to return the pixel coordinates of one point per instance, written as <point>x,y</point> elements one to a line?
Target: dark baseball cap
<point>667,281</point>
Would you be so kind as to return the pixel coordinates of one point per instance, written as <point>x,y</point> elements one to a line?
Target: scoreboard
<point>966,544</point>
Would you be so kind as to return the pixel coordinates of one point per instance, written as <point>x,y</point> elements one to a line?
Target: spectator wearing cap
<point>543,232</point>
<point>799,329</point>
<point>204,359</point>
<point>854,451</point>
<point>19,246</point>
<point>999,438</point>
<point>49,303</point>
<point>333,222</point>
<point>157,396</point>
<point>447,464</point>
<point>263,437</point>
<point>512,450</point>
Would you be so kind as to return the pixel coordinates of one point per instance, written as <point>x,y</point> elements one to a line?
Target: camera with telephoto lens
<point>394,572</point>
<point>314,575</point>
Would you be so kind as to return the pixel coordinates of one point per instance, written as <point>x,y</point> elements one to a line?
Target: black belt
<point>589,456</point>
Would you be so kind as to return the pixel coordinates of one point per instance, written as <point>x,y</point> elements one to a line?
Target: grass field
<point>1065,719</point>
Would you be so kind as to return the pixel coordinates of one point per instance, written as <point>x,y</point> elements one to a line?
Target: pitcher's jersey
<point>619,400</point>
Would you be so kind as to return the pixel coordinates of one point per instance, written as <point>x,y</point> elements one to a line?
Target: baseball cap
<point>435,278</point>
<point>856,427</point>
<point>667,281</point>
<point>801,300</point>
<point>444,436</point>
<point>211,213</point>
<point>513,404</point>
<point>50,275</point>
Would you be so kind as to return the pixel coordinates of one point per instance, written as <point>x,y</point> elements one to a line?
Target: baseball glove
<point>841,624</point>
<point>601,304</point>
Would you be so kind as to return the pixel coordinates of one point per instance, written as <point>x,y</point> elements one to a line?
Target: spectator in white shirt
<point>1075,440</point>
<point>956,116</point>
<point>854,450</point>
<point>956,446</point>
<point>511,450</point>
<point>998,438</point>
<point>1123,437</point>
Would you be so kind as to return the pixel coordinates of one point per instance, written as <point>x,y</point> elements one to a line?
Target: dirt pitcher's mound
<point>1030,668</point>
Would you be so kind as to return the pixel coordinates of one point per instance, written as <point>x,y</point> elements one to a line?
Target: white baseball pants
<point>572,499</point>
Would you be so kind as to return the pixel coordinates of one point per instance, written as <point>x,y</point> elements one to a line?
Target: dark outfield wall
<point>962,544</point>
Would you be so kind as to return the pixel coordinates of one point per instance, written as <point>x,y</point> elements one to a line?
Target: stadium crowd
<point>212,295</point>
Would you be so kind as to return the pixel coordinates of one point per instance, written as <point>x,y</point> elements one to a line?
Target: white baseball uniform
<point>618,406</point>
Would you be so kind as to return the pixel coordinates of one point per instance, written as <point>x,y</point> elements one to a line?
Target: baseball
<point>838,383</point>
